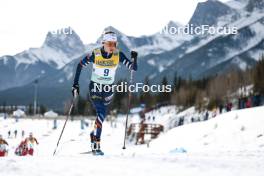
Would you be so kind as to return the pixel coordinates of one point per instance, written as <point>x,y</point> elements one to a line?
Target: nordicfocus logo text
<point>137,87</point>
<point>65,31</point>
<point>190,29</point>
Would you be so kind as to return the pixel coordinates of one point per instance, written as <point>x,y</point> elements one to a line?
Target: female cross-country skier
<point>3,147</point>
<point>105,61</point>
<point>30,140</point>
<point>26,146</point>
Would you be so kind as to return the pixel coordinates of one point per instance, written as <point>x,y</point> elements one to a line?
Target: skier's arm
<point>84,62</point>
<point>129,64</point>
<point>36,141</point>
<point>5,142</point>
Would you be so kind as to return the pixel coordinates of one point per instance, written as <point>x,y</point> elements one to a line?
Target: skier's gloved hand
<point>134,55</point>
<point>75,88</point>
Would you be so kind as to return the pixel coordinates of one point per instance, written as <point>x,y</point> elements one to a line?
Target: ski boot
<point>95,146</point>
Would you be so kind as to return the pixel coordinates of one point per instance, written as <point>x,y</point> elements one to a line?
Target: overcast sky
<point>24,23</point>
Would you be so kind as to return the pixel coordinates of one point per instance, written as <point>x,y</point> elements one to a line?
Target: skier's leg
<point>101,108</point>
<point>31,151</point>
<point>100,102</point>
<point>101,111</point>
<point>101,114</point>
<point>96,98</point>
<point>96,133</point>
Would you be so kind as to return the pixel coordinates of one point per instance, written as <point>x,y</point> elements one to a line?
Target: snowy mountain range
<point>160,54</point>
<point>209,12</point>
<point>56,51</point>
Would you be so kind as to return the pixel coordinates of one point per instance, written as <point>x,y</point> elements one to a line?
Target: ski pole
<point>128,103</point>
<point>68,115</point>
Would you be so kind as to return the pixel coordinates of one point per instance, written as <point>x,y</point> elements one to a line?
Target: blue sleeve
<point>87,59</point>
<point>124,60</point>
<point>84,62</point>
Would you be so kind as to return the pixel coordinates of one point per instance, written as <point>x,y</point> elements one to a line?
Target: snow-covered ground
<point>230,144</point>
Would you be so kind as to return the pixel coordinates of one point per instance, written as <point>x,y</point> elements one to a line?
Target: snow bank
<point>239,130</point>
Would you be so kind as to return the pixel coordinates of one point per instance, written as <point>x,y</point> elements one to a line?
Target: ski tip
<point>89,152</point>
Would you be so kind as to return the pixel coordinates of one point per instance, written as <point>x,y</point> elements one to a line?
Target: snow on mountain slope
<point>255,5</point>
<point>237,4</point>
<point>164,41</point>
<point>208,12</point>
<point>256,29</point>
<point>160,54</point>
<point>58,49</point>
<point>217,54</point>
<point>152,44</point>
<point>239,24</point>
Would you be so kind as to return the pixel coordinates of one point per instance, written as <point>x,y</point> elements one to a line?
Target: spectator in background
<point>9,134</point>
<point>16,117</point>
<point>240,103</point>
<point>23,133</point>
<point>206,115</point>
<point>229,107</point>
<point>82,124</point>
<point>248,103</point>
<point>181,121</point>
<point>15,133</point>
<point>142,115</point>
<point>148,117</point>
<point>214,112</point>
<point>244,102</point>
<point>221,108</point>
<point>54,124</point>
<point>257,100</point>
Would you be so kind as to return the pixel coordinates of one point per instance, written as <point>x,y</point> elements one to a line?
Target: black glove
<point>134,55</point>
<point>75,87</point>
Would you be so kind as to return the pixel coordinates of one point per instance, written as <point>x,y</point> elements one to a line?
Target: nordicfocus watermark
<point>137,87</point>
<point>190,29</point>
<point>66,31</point>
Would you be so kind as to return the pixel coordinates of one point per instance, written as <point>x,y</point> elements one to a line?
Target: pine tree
<point>164,97</point>
<point>259,76</point>
<point>146,97</point>
<point>120,100</point>
<point>43,109</point>
<point>30,109</point>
